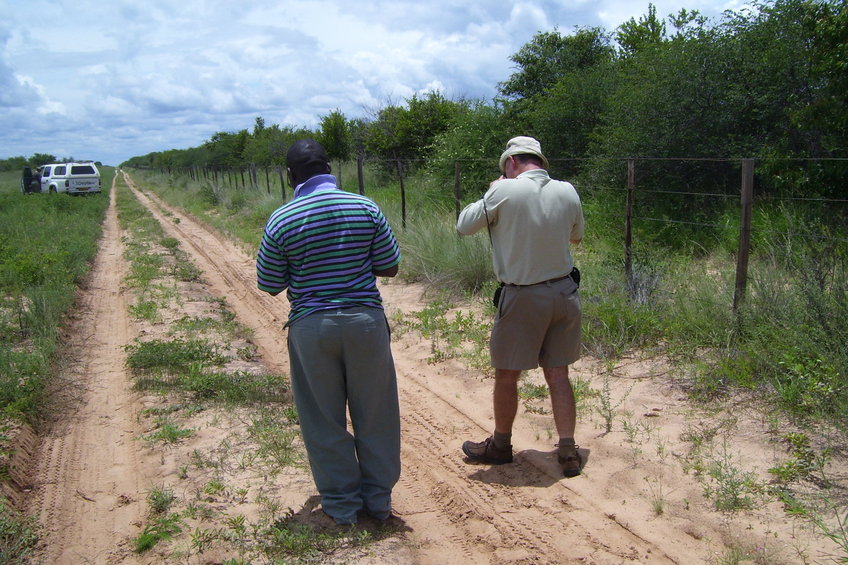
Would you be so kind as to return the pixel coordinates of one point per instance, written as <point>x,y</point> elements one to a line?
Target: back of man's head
<point>307,158</point>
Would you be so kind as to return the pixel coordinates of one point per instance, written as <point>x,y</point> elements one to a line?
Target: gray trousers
<point>342,359</point>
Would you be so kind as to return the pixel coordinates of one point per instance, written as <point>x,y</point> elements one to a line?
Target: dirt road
<point>638,500</point>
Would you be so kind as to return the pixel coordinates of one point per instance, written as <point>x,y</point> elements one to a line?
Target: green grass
<point>274,432</point>
<point>160,499</point>
<point>162,528</point>
<point>18,535</point>
<point>287,541</point>
<point>167,432</point>
<point>47,244</point>
<point>184,365</point>
<point>170,356</point>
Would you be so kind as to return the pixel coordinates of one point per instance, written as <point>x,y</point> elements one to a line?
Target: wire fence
<point>639,183</point>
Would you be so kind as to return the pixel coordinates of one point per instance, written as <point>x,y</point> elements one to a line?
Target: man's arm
<point>472,218</point>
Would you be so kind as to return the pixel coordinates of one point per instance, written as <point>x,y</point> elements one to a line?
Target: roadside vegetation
<point>46,245</point>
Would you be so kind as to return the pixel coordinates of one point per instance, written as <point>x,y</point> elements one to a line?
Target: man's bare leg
<point>505,399</point>
<point>563,404</point>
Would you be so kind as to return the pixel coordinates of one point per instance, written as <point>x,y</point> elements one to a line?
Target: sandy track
<point>88,480</point>
<point>450,511</point>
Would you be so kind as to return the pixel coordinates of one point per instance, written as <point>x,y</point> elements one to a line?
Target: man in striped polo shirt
<point>327,246</point>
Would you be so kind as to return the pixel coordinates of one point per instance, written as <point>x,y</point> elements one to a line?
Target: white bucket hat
<point>522,145</point>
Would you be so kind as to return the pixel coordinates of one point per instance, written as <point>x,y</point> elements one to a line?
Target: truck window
<point>60,170</point>
<point>45,172</point>
<point>82,170</point>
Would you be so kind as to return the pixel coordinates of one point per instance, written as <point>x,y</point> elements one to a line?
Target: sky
<point>112,79</point>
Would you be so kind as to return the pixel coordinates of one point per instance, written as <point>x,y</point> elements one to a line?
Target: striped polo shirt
<point>322,246</point>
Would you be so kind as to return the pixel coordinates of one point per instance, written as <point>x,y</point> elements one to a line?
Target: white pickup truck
<point>73,178</point>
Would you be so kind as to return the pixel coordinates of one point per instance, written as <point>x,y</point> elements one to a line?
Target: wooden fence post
<point>402,194</point>
<point>747,205</point>
<point>359,174</point>
<point>628,222</point>
<point>457,186</point>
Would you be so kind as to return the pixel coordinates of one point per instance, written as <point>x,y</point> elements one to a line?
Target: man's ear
<point>290,176</point>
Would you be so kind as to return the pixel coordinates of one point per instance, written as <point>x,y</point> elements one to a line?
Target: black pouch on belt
<point>496,299</point>
<point>575,276</point>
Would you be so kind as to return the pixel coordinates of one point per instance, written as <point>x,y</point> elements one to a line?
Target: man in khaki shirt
<point>532,220</point>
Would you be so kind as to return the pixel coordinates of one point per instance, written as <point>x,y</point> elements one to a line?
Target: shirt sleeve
<point>385,252</point>
<point>472,218</point>
<point>579,226</point>
<point>272,271</point>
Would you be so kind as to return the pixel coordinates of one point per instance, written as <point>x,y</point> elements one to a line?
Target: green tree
<point>336,138</point>
<point>227,149</point>
<point>14,163</point>
<point>649,31</point>
<point>39,159</point>
<point>549,56</point>
<point>475,139</point>
<point>407,133</point>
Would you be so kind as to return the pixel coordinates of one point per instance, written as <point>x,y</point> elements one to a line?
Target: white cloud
<point>161,74</point>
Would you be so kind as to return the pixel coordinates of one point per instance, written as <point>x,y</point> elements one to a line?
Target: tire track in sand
<point>88,476</point>
<point>230,273</point>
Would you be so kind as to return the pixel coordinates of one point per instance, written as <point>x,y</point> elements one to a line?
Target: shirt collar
<point>314,184</point>
<point>534,173</point>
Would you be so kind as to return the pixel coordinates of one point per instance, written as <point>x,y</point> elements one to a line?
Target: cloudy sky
<point>112,79</point>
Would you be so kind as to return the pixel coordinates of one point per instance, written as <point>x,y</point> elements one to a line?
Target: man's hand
<point>390,272</point>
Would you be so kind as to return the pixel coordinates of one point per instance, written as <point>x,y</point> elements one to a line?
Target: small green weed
<point>530,391</point>
<point>215,487</point>
<point>285,539</point>
<point>167,432</point>
<point>464,336</point>
<point>730,488</point>
<point>183,269</point>
<point>169,243</point>
<point>275,434</point>
<point>607,407</point>
<point>657,495</point>
<point>160,499</point>
<point>144,269</point>
<point>804,463</point>
<point>144,310</point>
<point>162,528</point>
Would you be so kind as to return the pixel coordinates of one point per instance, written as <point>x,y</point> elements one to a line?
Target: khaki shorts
<point>537,326</point>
